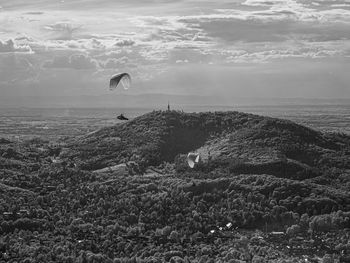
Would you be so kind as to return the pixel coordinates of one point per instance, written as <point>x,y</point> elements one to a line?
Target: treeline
<point>136,217</point>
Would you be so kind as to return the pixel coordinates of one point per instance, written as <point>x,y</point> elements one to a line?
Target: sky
<point>239,48</point>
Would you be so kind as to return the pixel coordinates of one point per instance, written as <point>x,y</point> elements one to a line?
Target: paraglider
<point>192,159</point>
<point>122,79</point>
<point>122,117</point>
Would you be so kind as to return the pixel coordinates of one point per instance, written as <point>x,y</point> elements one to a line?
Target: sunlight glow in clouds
<point>292,48</point>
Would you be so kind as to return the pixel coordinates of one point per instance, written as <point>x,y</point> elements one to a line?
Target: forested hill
<point>240,142</point>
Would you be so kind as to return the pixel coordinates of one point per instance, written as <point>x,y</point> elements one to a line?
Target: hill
<point>242,143</point>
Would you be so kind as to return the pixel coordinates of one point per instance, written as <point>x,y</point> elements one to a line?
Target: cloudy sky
<point>236,48</point>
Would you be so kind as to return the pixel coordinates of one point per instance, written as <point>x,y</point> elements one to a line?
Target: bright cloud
<point>9,46</point>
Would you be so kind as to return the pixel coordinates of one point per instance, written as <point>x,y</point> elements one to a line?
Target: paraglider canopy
<point>122,117</point>
<point>123,80</point>
<point>192,159</point>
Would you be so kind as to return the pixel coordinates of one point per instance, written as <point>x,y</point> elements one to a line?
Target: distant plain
<point>54,123</point>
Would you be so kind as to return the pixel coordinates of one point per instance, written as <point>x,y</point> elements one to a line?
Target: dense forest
<point>265,190</point>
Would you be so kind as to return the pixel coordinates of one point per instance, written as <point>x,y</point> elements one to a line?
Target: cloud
<point>34,13</point>
<point>241,56</point>
<point>76,61</point>
<point>62,26</point>
<point>24,38</point>
<point>65,30</point>
<point>194,55</point>
<point>317,11</point>
<point>181,61</point>
<point>113,63</point>
<point>269,3</point>
<point>124,42</point>
<point>234,30</point>
<point>10,46</point>
<point>247,31</point>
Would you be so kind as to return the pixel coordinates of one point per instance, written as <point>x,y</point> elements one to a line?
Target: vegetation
<point>257,175</point>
